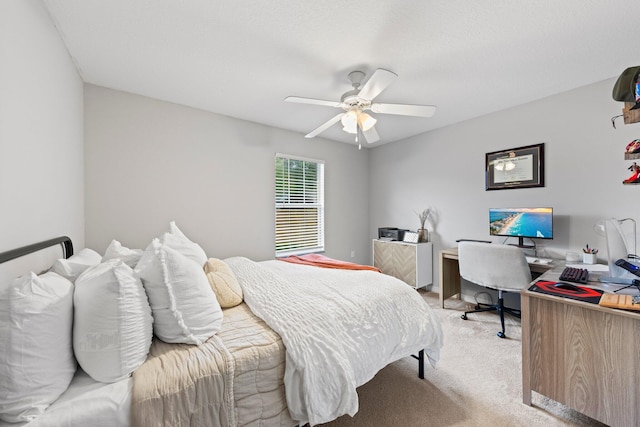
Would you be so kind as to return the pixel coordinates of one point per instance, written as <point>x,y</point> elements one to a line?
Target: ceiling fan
<point>357,101</point>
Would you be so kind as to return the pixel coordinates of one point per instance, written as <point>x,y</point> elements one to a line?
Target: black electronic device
<point>567,286</point>
<point>575,274</point>
<point>631,268</point>
<point>391,233</point>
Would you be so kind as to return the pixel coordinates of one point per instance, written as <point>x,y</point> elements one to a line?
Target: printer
<point>391,233</point>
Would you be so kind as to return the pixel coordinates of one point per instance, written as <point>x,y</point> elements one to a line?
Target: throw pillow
<point>36,354</point>
<point>115,250</point>
<point>73,266</point>
<point>113,327</point>
<point>175,239</point>
<point>223,282</point>
<point>184,307</point>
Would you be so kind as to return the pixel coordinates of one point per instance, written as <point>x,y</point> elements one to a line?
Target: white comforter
<point>339,328</point>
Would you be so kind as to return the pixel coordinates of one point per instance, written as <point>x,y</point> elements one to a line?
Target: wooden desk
<point>582,355</point>
<point>450,273</point>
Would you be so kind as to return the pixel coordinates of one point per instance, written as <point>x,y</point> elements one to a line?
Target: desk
<point>582,355</point>
<point>450,273</point>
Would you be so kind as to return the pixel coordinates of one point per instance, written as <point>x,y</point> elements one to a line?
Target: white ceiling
<point>242,58</point>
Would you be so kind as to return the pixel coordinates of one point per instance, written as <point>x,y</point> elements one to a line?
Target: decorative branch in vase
<point>423,233</point>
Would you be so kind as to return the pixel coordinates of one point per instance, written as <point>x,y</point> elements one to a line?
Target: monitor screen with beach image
<point>530,223</point>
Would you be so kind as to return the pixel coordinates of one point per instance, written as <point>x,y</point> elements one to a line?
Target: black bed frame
<point>420,358</point>
<point>65,241</point>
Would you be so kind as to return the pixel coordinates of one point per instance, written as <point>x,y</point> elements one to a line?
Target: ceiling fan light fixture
<point>351,129</point>
<point>350,121</point>
<point>366,122</point>
<point>356,101</point>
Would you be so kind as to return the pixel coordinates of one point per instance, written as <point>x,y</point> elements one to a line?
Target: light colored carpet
<point>478,382</point>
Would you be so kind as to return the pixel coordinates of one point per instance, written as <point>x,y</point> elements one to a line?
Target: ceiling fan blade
<point>378,82</point>
<point>404,109</point>
<point>313,101</point>
<point>371,135</point>
<point>326,125</point>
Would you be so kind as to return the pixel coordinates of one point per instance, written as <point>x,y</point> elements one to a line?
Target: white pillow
<point>115,250</point>
<point>112,327</point>
<point>36,355</point>
<point>185,309</point>
<point>175,239</point>
<point>72,267</point>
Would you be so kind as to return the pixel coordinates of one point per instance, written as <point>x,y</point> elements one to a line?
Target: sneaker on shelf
<point>633,147</point>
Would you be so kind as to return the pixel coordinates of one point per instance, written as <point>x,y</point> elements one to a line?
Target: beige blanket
<point>233,379</point>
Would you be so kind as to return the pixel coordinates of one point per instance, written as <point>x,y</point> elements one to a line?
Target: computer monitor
<point>530,223</point>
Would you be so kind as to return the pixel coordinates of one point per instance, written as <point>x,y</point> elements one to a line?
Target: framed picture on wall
<point>521,167</point>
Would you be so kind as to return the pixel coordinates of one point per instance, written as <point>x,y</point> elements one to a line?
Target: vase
<point>423,235</point>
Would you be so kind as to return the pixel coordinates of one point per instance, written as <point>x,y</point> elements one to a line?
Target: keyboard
<point>574,274</point>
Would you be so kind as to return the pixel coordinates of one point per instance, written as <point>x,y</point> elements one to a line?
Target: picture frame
<point>521,167</point>
<point>410,237</point>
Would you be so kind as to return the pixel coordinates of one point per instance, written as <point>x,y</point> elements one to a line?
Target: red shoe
<point>633,146</point>
<point>633,178</point>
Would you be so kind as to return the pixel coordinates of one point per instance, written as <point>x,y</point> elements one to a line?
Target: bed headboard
<point>65,241</point>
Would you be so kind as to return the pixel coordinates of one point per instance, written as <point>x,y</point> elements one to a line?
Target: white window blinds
<point>299,205</point>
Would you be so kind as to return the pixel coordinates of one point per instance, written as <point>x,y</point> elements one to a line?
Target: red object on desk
<point>582,294</point>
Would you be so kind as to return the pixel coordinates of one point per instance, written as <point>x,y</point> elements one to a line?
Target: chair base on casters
<point>499,307</point>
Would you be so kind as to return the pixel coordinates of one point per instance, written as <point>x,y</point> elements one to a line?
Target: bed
<point>292,352</point>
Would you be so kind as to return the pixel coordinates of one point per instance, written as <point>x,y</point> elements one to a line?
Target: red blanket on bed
<point>326,262</point>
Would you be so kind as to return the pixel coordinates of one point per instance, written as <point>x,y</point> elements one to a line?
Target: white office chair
<point>494,266</point>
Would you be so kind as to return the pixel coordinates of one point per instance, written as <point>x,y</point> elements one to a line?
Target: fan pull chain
<point>357,132</point>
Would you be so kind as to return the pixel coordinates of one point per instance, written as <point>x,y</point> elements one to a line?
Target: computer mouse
<point>567,286</point>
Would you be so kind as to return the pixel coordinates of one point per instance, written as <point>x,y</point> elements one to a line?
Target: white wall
<point>41,130</point>
<point>149,162</point>
<point>584,166</point>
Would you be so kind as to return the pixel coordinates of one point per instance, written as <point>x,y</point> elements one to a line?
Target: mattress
<point>259,358</point>
<point>234,378</point>
<point>340,327</point>
<point>256,354</point>
<point>86,402</point>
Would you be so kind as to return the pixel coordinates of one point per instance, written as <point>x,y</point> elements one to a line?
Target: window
<point>299,205</point>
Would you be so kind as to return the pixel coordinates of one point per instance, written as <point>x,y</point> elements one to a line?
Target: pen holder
<point>589,258</point>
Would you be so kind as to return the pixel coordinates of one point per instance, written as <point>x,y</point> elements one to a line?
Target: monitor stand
<point>522,245</point>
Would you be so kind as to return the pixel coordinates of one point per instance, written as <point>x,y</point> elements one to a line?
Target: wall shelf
<point>630,116</point>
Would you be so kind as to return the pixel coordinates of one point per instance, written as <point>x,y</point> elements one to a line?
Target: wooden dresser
<point>410,262</point>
